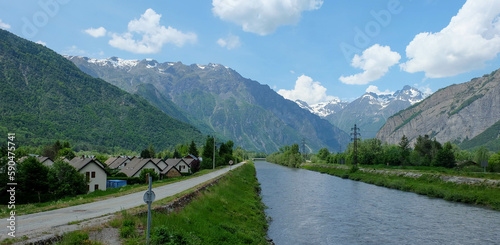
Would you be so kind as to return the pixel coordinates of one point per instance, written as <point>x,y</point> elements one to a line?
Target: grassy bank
<point>427,184</point>
<point>229,212</point>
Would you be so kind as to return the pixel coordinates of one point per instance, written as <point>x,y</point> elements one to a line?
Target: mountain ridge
<point>251,114</point>
<point>457,113</point>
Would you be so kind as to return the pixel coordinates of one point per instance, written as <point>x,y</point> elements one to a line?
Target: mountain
<point>44,98</point>
<point>467,114</point>
<point>251,114</point>
<point>370,111</point>
<point>323,109</point>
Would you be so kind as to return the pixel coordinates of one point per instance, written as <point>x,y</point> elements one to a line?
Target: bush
<point>127,229</point>
<point>161,235</point>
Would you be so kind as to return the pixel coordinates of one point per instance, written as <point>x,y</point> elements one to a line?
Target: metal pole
<point>149,209</point>
<point>214,152</point>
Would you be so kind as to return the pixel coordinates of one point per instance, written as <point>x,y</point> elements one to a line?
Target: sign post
<point>484,164</point>
<point>230,164</point>
<point>149,197</point>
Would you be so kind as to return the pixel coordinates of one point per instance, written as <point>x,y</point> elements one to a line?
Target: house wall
<point>183,167</point>
<point>172,173</point>
<point>99,179</point>
<point>150,164</point>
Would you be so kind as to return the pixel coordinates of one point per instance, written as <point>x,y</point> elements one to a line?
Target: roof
<point>135,165</point>
<point>41,159</point>
<point>81,162</point>
<point>110,160</point>
<point>168,168</point>
<point>117,162</point>
<point>189,161</point>
<point>191,156</point>
<point>174,161</point>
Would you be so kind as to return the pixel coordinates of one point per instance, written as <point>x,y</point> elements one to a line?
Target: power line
<point>355,135</point>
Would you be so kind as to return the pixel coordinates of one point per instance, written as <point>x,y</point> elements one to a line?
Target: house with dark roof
<point>170,172</point>
<point>160,163</point>
<point>180,164</point>
<point>93,171</point>
<point>134,167</point>
<point>43,160</point>
<point>117,162</point>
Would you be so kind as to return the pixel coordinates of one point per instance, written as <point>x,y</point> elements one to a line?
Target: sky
<point>312,50</point>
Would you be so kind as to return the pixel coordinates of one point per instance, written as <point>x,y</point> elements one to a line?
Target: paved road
<point>49,221</point>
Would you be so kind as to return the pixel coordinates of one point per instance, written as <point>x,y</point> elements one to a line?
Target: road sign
<point>149,196</point>
<point>230,162</point>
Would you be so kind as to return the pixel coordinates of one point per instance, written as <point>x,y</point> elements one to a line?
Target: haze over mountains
<point>216,98</point>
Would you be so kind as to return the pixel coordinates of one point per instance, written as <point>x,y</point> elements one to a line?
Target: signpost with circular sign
<point>149,196</point>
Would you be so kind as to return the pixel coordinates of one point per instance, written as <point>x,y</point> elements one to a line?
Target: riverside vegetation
<point>428,158</point>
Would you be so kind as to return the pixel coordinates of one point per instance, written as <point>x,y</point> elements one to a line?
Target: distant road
<point>53,222</point>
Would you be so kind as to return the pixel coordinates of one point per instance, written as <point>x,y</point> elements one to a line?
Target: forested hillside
<point>44,97</point>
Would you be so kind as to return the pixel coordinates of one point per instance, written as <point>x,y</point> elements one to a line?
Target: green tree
<point>494,163</point>
<point>208,153</point>
<point>481,154</point>
<point>445,156</point>
<point>404,145</point>
<point>323,154</point>
<point>32,179</point>
<point>65,180</point>
<point>149,171</point>
<point>192,149</point>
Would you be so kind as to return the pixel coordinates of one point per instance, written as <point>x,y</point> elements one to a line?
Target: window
<point>88,188</point>
<point>93,174</point>
<point>96,187</point>
<point>87,175</point>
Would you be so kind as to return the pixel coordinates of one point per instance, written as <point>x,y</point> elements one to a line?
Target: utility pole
<point>304,148</point>
<point>355,135</point>
<point>214,152</point>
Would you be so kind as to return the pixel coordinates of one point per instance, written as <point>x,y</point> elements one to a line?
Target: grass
<point>30,208</point>
<point>428,184</point>
<point>230,212</point>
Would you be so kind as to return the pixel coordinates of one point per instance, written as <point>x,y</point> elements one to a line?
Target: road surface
<point>56,221</point>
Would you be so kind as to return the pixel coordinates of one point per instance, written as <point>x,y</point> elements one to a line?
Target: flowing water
<point>308,207</point>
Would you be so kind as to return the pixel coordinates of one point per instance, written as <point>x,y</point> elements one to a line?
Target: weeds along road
<point>54,221</point>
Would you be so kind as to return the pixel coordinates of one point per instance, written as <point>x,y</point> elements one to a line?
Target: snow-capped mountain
<point>323,109</point>
<point>369,111</point>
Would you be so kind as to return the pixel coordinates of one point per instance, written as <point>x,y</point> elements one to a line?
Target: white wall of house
<point>97,176</point>
<point>183,167</point>
<point>150,164</point>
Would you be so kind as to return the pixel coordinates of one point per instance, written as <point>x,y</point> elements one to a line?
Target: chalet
<point>134,167</point>
<point>118,162</point>
<point>170,172</point>
<point>93,171</point>
<point>43,160</point>
<point>180,164</point>
<point>160,163</point>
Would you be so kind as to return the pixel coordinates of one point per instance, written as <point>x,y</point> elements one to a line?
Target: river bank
<point>483,192</point>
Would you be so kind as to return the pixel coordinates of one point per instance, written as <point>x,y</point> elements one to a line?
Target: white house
<point>180,164</point>
<point>118,162</point>
<point>93,171</point>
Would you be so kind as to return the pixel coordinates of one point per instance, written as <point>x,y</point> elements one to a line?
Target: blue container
<point>113,183</point>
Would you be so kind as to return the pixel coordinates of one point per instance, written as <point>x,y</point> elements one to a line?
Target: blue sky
<point>304,49</point>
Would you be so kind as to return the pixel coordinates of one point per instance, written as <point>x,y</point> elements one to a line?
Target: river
<point>308,207</point>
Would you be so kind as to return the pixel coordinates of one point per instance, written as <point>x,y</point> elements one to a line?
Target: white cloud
<point>230,42</point>
<point>471,39</point>
<point>99,32</point>
<point>374,89</point>
<point>263,16</point>
<point>307,90</point>
<point>154,35</point>
<point>4,25</point>
<point>41,42</point>
<point>375,61</point>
